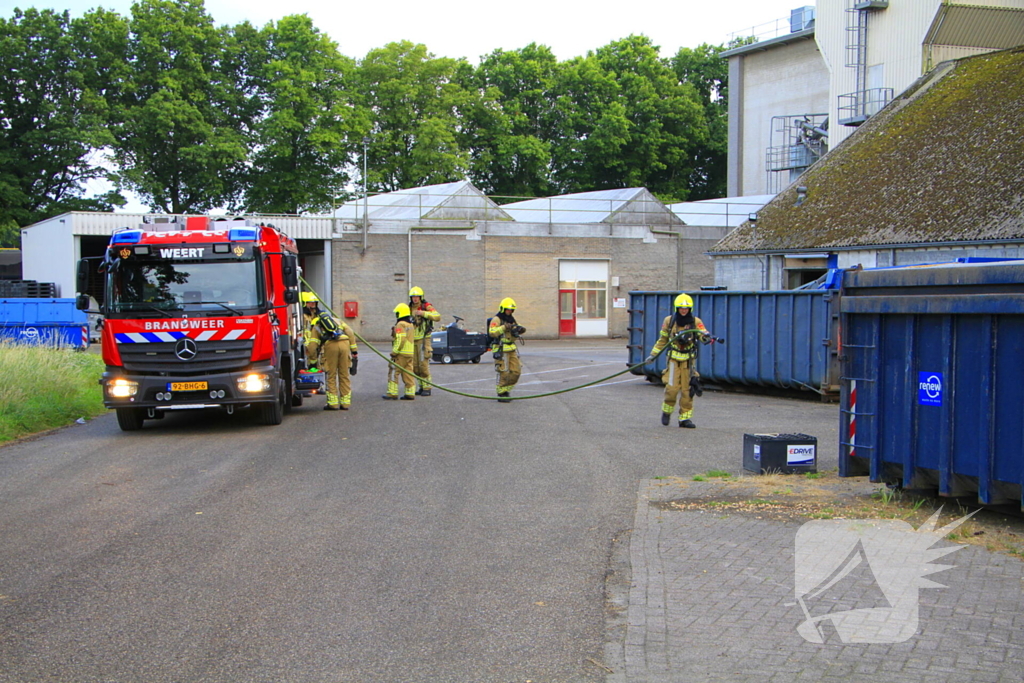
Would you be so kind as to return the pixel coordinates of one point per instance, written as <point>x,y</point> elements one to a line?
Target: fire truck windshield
<point>209,287</point>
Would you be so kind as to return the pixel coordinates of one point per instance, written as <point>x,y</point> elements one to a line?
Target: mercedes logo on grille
<point>186,349</point>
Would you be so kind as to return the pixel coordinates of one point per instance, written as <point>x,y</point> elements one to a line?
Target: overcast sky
<point>471,30</point>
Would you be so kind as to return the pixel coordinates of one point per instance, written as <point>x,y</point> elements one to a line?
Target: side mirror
<point>290,270</point>
<point>82,302</point>
<point>291,296</point>
<point>82,278</point>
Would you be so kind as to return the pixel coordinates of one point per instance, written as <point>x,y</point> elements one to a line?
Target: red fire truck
<point>201,313</point>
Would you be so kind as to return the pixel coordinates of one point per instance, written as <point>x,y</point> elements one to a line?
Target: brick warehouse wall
<point>468,277</point>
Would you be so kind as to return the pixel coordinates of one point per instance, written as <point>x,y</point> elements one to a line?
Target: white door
<point>590,281</point>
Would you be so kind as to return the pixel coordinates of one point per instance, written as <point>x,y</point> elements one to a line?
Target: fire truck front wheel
<point>272,412</point>
<point>130,419</point>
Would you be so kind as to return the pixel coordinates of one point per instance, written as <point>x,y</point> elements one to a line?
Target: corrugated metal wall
<point>779,339</point>
<point>96,223</point>
<point>932,395</point>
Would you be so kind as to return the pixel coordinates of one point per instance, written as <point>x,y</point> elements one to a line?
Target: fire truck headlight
<point>254,383</point>
<point>122,388</point>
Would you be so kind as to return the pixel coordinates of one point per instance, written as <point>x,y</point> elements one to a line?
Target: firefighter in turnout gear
<point>402,349</point>
<point>681,359</point>
<point>338,355</point>
<point>310,342</point>
<point>423,317</point>
<point>505,332</point>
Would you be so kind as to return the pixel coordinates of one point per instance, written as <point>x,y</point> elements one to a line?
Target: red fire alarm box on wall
<point>351,309</point>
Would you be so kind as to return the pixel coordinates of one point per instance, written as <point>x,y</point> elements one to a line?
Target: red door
<point>567,312</point>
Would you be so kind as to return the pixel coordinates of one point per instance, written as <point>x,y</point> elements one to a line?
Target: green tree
<point>623,119</point>
<point>50,125</point>
<point>507,122</point>
<point>179,116</point>
<point>304,137</point>
<point>589,128</point>
<point>708,73</point>
<point>10,233</point>
<point>414,103</point>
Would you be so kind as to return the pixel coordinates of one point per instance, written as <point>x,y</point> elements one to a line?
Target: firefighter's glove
<point>354,367</point>
<point>695,387</point>
<point>649,359</point>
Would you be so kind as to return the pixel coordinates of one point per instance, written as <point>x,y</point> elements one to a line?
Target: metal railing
<point>798,20</point>
<point>857,107</point>
<point>460,210</point>
<point>717,214</point>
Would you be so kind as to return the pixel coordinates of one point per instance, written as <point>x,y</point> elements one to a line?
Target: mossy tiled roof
<point>944,162</point>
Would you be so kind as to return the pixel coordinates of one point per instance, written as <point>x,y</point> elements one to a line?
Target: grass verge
<point>825,495</point>
<point>42,387</point>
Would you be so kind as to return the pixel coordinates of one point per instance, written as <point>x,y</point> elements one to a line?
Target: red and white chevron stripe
<point>853,415</point>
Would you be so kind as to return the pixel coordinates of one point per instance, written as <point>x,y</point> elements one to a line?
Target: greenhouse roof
<point>582,207</point>
<point>411,204</point>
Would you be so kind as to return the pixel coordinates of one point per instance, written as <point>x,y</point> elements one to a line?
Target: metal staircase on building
<point>857,107</point>
<point>797,141</point>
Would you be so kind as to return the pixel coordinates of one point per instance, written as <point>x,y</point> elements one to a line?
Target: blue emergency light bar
<point>243,234</point>
<point>126,237</point>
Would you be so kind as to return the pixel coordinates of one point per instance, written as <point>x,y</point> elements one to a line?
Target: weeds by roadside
<point>42,387</point>
<point>715,474</point>
<point>825,495</point>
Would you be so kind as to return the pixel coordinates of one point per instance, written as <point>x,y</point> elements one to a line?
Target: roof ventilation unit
<point>801,19</point>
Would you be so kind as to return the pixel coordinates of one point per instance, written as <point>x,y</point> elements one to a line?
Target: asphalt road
<point>443,539</point>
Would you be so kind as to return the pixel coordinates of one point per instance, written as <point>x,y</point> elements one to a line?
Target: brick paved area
<point>712,599</point>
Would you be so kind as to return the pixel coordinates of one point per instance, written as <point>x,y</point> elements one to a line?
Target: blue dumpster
<point>53,322</point>
<point>931,386</point>
<point>781,339</point>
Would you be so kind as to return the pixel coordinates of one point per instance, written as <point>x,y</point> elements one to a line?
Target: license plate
<point>186,386</point>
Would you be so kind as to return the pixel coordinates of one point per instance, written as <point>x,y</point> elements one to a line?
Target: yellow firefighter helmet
<point>683,301</point>
<point>507,302</point>
<point>402,310</point>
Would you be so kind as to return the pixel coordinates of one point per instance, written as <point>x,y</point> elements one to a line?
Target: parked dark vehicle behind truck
<point>454,344</point>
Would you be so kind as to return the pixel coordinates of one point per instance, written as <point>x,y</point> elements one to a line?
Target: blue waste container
<point>53,322</point>
<point>931,385</point>
<point>781,339</point>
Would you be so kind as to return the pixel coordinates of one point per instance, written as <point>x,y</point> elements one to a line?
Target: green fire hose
<point>426,382</point>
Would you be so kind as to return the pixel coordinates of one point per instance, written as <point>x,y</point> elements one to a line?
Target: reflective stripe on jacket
<point>429,316</point>
<point>498,331</point>
<point>684,348</point>
<point>404,334</point>
<point>312,333</point>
